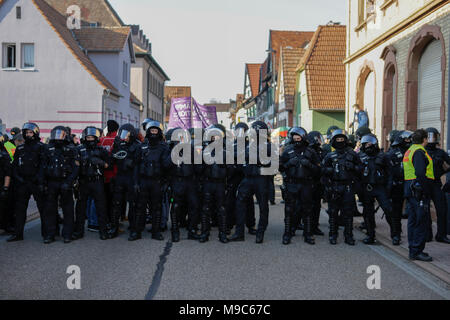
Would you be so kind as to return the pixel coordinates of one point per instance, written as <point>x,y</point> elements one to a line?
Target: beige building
<point>397,63</point>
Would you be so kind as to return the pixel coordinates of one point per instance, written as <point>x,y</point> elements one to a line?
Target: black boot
<point>134,236</point>
<point>287,230</point>
<point>396,227</point>
<point>223,237</point>
<point>370,225</point>
<point>333,229</point>
<point>222,226</point>
<point>307,233</point>
<point>156,226</point>
<point>15,238</point>
<point>193,235</point>
<point>252,230</point>
<point>259,236</point>
<point>174,225</point>
<point>204,237</point>
<point>49,239</point>
<point>76,236</point>
<point>348,231</point>
<point>104,235</point>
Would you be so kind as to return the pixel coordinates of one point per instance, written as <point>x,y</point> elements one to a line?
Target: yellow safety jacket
<point>408,167</point>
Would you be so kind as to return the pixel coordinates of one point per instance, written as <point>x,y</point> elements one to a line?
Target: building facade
<point>397,64</point>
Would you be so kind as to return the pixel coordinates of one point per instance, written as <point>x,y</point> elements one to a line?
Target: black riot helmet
<point>59,135</point>
<point>361,132</point>
<point>370,144</point>
<point>240,129</point>
<point>15,131</point>
<point>330,131</point>
<point>154,138</point>
<point>298,131</point>
<point>32,127</point>
<point>434,136</point>
<point>90,132</point>
<point>403,140</point>
<point>127,133</point>
<point>215,130</point>
<point>339,133</point>
<point>144,123</point>
<point>392,136</point>
<point>315,139</point>
<point>4,138</point>
<point>259,125</point>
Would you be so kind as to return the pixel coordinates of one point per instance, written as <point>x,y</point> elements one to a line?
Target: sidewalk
<point>440,252</point>
<point>32,212</point>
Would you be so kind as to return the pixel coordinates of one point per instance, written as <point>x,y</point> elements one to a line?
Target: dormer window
<point>18,12</point>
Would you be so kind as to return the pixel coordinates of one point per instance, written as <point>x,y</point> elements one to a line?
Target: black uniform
<point>61,166</point>
<point>301,165</point>
<point>395,155</point>
<point>151,162</point>
<point>185,188</point>
<point>5,171</point>
<point>91,179</point>
<point>439,157</point>
<point>28,175</point>
<point>254,183</point>
<point>341,168</point>
<point>123,182</point>
<point>214,187</point>
<point>376,182</point>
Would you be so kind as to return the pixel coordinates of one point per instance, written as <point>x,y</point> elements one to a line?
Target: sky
<point>206,43</point>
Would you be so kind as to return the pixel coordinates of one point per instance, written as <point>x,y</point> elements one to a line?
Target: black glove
<point>97,162</point>
<point>137,188</point>
<point>4,194</point>
<point>293,162</point>
<point>305,162</point>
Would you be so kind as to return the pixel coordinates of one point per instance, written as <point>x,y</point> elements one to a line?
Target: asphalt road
<point>150,269</point>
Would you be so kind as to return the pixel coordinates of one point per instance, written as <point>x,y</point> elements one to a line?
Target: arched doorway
<point>390,83</point>
<point>423,54</point>
<point>366,91</point>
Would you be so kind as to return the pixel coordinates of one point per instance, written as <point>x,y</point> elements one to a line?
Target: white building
<point>397,63</point>
<point>55,76</point>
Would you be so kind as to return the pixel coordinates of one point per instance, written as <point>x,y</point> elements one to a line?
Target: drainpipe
<point>148,88</point>
<point>106,94</point>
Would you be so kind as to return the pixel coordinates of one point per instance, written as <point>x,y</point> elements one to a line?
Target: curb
<point>427,266</point>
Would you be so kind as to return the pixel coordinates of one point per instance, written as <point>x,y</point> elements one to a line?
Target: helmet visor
<point>433,137</point>
<point>153,124</point>
<point>31,126</point>
<point>91,131</point>
<point>124,135</point>
<point>58,134</point>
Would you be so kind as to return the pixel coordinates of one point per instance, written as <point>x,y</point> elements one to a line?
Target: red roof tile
<point>325,71</point>
<point>290,59</point>
<point>253,70</point>
<point>281,39</point>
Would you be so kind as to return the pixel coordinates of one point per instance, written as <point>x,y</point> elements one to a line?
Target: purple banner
<point>180,113</point>
<point>203,116</point>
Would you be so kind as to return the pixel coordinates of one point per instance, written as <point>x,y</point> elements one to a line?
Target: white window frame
<point>22,55</point>
<point>5,57</point>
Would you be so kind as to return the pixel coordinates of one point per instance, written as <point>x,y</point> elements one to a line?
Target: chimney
<point>135,29</point>
<point>140,34</point>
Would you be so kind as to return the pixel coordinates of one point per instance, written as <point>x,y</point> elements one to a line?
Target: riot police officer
<point>28,175</point>
<point>254,183</point>
<point>124,156</point>
<point>152,158</point>
<point>5,182</point>
<point>93,161</point>
<point>419,176</point>
<point>397,150</point>
<point>376,182</point>
<point>61,166</point>
<point>439,157</point>
<point>214,183</point>
<point>315,140</point>
<point>340,169</point>
<point>327,146</point>
<point>302,165</point>
<point>184,185</point>
<point>233,180</point>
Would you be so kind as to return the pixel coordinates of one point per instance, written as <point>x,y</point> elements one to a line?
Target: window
<point>125,73</point>
<point>27,56</point>
<point>9,56</point>
<point>19,12</point>
<point>121,118</point>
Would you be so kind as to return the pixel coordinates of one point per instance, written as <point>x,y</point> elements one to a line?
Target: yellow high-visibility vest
<point>408,167</point>
<point>11,149</point>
